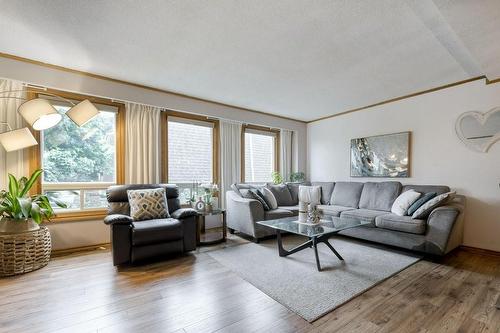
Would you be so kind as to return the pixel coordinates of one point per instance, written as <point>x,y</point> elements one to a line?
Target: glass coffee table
<point>317,233</point>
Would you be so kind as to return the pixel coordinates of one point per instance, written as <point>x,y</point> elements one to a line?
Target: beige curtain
<point>142,149</point>
<point>230,155</point>
<point>286,153</point>
<point>16,162</point>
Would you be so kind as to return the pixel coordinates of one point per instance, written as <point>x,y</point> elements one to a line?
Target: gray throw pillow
<point>282,194</point>
<point>256,195</point>
<point>148,204</point>
<point>269,197</point>
<point>420,201</point>
<point>427,207</point>
<point>241,189</point>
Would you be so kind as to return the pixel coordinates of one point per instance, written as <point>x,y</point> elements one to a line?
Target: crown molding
<point>102,77</point>
<point>405,97</point>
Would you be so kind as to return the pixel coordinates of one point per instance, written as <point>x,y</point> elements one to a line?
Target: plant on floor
<point>16,203</point>
<point>297,177</point>
<point>276,177</point>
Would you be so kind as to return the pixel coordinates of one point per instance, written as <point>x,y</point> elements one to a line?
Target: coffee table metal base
<point>312,242</point>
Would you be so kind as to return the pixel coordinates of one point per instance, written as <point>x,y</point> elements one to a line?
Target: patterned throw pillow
<point>148,204</point>
<point>256,195</point>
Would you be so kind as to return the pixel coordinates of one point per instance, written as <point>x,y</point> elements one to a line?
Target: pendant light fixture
<point>40,114</point>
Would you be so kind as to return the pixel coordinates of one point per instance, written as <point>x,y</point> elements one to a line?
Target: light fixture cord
<point>33,91</point>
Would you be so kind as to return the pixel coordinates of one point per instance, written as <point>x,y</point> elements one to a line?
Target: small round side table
<point>200,228</point>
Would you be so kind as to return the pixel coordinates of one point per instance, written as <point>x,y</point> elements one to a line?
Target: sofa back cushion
<point>439,189</point>
<point>293,188</point>
<point>282,194</point>
<point>326,191</point>
<point>346,194</point>
<point>379,195</point>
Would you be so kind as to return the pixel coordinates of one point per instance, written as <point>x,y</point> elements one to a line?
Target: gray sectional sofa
<point>438,234</point>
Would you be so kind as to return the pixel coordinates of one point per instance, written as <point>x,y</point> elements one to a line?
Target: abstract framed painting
<point>381,156</point>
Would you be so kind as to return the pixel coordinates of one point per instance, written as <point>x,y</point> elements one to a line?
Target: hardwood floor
<point>83,292</point>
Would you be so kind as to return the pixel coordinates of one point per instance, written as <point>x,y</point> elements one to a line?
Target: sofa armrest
<point>444,229</point>
<point>242,213</point>
<point>118,219</point>
<point>183,213</point>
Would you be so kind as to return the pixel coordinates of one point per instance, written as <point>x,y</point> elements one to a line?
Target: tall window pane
<point>259,157</point>
<point>79,163</point>
<point>190,154</point>
<point>80,154</point>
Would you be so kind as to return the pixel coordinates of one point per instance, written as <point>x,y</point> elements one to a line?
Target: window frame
<point>164,139</point>
<point>35,157</point>
<point>275,132</point>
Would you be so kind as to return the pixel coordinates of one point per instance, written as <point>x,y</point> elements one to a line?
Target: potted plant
<point>21,212</point>
<point>277,178</point>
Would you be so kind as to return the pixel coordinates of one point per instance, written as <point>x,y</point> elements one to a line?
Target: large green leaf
<point>30,182</point>
<point>25,204</point>
<point>13,185</point>
<point>36,213</point>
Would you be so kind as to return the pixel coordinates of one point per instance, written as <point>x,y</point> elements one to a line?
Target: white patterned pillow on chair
<point>148,204</point>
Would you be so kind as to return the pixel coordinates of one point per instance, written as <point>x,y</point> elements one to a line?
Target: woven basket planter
<point>24,252</point>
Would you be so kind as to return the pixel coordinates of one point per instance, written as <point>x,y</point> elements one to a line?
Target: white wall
<point>75,234</point>
<point>438,156</point>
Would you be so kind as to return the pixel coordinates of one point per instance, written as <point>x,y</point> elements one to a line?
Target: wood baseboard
<point>65,252</point>
<point>477,250</point>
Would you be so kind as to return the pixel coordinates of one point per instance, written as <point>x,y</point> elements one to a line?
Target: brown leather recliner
<point>133,241</point>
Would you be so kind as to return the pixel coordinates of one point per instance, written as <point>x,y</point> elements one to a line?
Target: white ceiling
<point>300,59</point>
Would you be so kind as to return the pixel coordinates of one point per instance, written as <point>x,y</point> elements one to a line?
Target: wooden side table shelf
<point>200,228</point>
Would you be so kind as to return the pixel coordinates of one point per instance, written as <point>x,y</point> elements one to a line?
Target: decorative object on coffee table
<point>24,246</point>
<point>209,238</point>
<point>381,156</point>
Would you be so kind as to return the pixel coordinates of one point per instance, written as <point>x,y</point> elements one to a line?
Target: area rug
<point>295,282</point>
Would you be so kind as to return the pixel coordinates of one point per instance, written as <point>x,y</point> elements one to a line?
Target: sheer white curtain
<point>142,149</point>
<point>286,153</point>
<point>230,155</point>
<point>16,162</point>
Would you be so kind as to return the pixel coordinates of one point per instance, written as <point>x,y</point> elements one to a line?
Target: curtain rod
<point>162,109</point>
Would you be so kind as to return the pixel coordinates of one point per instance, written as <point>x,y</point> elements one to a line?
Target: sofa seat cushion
<point>368,215</point>
<point>156,231</point>
<point>401,223</point>
<point>277,213</point>
<point>333,210</point>
<point>293,209</point>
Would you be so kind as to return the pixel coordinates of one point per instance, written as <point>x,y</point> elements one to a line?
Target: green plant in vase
<point>21,212</point>
<point>277,177</point>
<point>297,177</point>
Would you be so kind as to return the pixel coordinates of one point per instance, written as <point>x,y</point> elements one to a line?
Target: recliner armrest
<point>182,213</point>
<point>118,219</point>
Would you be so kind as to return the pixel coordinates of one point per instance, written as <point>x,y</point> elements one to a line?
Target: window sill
<point>77,216</point>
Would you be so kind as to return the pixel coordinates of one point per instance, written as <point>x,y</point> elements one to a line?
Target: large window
<point>260,156</point>
<point>79,163</point>
<point>190,153</point>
